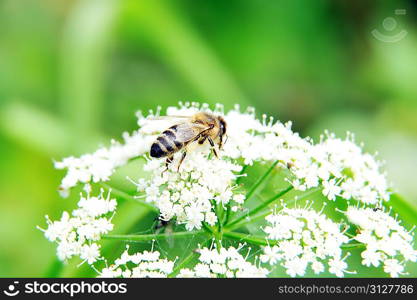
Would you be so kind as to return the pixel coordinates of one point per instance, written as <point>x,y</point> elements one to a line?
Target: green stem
<point>119,193</point>
<point>140,157</point>
<point>218,240</point>
<point>228,206</point>
<point>207,228</point>
<point>241,174</point>
<point>217,209</point>
<point>261,241</point>
<point>228,212</point>
<point>149,237</point>
<point>253,219</point>
<point>236,222</point>
<point>185,261</point>
<point>260,181</point>
<point>214,232</point>
<point>353,246</point>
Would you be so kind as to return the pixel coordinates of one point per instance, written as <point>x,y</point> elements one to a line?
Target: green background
<point>73,74</point>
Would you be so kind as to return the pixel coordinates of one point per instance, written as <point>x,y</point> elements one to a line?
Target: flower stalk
<point>239,221</point>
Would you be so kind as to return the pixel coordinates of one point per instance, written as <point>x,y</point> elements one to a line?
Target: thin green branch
<point>149,237</point>
<point>207,228</point>
<point>241,174</point>
<point>218,240</point>
<point>353,246</point>
<point>183,263</point>
<point>214,232</point>
<point>244,237</point>
<point>217,209</point>
<point>193,254</point>
<point>236,222</point>
<point>228,206</point>
<point>264,214</point>
<point>140,157</point>
<point>260,181</point>
<point>119,193</point>
<point>252,219</point>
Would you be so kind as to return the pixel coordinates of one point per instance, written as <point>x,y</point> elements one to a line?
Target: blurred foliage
<point>73,73</point>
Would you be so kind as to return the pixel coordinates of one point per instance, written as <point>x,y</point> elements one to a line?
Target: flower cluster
<point>227,263</point>
<point>386,241</point>
<point>205,187</point>
<point>304,237</point>
<point>191,194</point>
<point>147,264</point>
<point>77,234</point>
<point>101,164</point>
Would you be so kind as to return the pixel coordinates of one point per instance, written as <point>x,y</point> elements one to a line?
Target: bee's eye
<point>223,127</point>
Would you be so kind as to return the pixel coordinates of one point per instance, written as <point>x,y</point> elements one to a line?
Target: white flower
<point>317,267</point>
<point>87,224</point>
<point>90,253</point>
<point>66,249</point>
<point>393,267</point>
<point>337,266</point>
<point>211,218</point>
<point>304,238</point>
<point>340,167</point>
<point>194,217</point>
<point>295,266</point>
<point>385,239</point>
<point>330,189</point>
<point>226,263</point>
<point>187,273</point>
<point>271,255</point>
<point>58,229</point>
<point>371,257</point>
<point>145,264</point>
<point>100,165</point>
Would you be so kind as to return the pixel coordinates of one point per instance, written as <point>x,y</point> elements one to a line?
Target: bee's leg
<point>184,154</point>
<point>167,162</point>
<point>220,142</point>
<point>213,146</point>
<point>160,224</point>
<point>202,140</point>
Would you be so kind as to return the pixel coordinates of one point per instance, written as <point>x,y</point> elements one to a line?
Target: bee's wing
<point>185,132</point>
<point>166,118</point>
<point>157,124</point>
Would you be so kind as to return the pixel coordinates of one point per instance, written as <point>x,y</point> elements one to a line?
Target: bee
<point>197,129</point>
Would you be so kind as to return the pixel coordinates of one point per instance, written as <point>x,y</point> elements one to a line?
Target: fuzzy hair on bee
<point>199,129</point>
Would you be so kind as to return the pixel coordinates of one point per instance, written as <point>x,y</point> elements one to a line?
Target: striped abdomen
<point>166,144</point>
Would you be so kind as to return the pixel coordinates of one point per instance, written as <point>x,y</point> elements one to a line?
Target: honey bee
<point>198,128</point>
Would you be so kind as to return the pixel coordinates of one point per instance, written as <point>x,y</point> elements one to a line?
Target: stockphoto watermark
<point>391,32</point>
<point>15,288</point>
